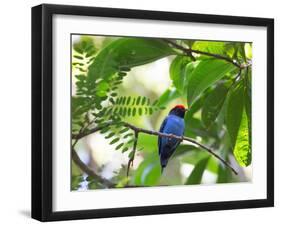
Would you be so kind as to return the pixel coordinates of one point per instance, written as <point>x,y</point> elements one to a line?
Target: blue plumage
<point>173,124</point>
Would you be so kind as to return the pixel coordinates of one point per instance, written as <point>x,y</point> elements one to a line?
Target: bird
<point>172,124</point>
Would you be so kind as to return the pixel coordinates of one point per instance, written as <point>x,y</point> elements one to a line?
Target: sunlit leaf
<point>178,72</point>
<point>248,50</point>
<point>211,47</point>
<point>242,149</point>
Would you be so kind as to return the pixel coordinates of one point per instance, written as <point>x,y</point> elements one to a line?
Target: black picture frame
<point>42,107</point>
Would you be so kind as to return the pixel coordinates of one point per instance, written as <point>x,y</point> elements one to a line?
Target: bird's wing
<point>161,131</point>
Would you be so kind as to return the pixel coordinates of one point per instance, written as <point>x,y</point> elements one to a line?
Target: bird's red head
<point>180,106</point>
<point>178,110</point>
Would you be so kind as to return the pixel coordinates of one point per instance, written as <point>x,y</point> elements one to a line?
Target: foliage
<point>217,92</point>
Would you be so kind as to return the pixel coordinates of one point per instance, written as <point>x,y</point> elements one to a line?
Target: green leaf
<point>169,95</point>
<point>242,149</point>
<point>103,85</point>
<point>128,100</point>
<point>124,130</point>
<point>248,101</point>
<point>248,93</point>
<point>224,174</point>
<point>234,110</point>
<point>205,74</point>
<point>178,72</point>
<point>149,143</point>
<point>196,106</point>
<point>138,100</point>
<point>125,149</point>
<point>213,104</point>
<point>119,146</point>
<point>114,140</point>
<point>211,47</point>
<point>127,52</point>
<point>197,173</point>
<point>110,135</point>
<point>148,172</point>
<point>183,149</point>
<point>129,111</point>
<point>143,100</point>
<point>248,50</point>
<point>195,128</point>
<point>134,111</point>
<point>105,129</point>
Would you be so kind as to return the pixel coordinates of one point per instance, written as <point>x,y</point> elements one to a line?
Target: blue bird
<point>173,124</point>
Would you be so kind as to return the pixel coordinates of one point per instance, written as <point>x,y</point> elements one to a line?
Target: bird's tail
<point>163,164</point>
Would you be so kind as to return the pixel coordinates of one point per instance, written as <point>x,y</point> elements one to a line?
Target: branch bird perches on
<point>136,130</point>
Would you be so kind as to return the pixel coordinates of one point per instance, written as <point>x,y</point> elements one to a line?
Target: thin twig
<point>189,52</point>
<point>132,157</point>
<point>155,133</point>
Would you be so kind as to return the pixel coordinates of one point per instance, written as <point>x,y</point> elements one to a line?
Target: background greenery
<point>138,80</point>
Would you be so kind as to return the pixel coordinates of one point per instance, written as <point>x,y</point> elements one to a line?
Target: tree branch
<point>181,138</point>
<point>189,52</point>
<point>89,171</point>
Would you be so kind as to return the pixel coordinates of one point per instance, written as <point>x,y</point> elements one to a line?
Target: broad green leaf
<point>214,47</point>
<point>148,142</point>
<point>183,149</point>
<point>190,68</point>
<point>234,110</point>
<point>213,104</point>
<point>196,106</point>
<point>205,74</point>
<point>211,47</point>
<point>248,101</point>
<point>148,172</point>
<point>169,95</point>
<point>193,156</point>
<point>194,128</point>
<point>197,173</point>
<point>248,93</point>
<point>242,51</point>
<point>224,174</point>
<point>178,72</point>
<point>242,149</point>
<point>127,52</point>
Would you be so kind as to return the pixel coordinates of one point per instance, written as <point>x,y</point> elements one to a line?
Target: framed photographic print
<point>146,112</point>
